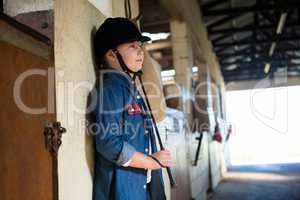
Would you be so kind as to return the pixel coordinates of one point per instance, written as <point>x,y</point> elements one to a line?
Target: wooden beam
<point>158,45</point>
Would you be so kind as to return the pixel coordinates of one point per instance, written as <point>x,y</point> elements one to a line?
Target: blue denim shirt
<point>119,134</point>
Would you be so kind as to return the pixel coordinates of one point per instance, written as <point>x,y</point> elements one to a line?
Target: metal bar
<point>198,148</point>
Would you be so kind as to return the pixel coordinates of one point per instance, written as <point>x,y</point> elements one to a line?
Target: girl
<point>127,162</point>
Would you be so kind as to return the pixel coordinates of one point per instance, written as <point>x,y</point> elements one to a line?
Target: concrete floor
<point>260,182</point>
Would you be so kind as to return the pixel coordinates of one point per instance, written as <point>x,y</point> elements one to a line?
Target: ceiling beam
<point>222,37</point>
<point>158,45</point>
<point>243,52</point>
<point>222,21</point>
<point>249,28</point>
<point>294,4</point>
<point>237,53</point>
<point>264,59</point>
<point>258,62</point>
<point>246,41</point>
<point>245,78</point>
<point>248,71</point>
<point>220,50</point>
<point>238,10</point>
<point>212,4</point>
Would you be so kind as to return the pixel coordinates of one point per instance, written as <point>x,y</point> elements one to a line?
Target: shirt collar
<point>117,75</point>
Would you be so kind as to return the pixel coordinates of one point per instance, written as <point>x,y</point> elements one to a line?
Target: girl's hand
<point>164,158</point>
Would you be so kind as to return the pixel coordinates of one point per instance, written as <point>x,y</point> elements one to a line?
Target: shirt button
<point>146,131</point>
<point>146,149</point>
<point>145,186</point>
<point>138,96</point>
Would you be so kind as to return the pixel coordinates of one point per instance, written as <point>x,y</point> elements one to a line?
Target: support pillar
<point>183,62</point>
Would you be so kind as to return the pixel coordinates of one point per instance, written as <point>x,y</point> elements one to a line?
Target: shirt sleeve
<point>109,135</point>
<point>127,163</point>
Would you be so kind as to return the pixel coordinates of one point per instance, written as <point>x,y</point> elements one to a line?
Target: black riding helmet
<point>113,32</point>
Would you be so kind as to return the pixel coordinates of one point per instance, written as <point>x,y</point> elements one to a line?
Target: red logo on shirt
<point>133,109</point>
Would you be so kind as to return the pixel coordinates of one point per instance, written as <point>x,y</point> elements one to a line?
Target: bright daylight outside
<point>265,125</point>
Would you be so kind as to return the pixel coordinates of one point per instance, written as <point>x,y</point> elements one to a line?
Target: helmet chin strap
<point>124,66</point>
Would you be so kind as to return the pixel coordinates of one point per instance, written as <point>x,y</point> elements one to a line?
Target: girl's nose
<point>139,47</point>
<point>139,44</point>
<point>140,51</point>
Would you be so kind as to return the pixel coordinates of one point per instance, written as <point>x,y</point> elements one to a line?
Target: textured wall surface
<point>75,23</point>
<point>75,75</point>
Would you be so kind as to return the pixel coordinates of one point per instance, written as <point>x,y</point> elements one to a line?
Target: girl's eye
<point>136,45</point>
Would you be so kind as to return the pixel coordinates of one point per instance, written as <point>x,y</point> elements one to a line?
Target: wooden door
<point>182,191</point>
<point>174,140</point>
<point>27,169</point>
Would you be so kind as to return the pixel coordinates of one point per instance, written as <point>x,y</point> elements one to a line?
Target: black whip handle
<point>170,175</point>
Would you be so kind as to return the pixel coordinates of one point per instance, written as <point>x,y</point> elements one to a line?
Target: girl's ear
<point>110,55</point>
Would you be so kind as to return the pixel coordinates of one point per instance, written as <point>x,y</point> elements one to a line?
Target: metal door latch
<point>53,132</point>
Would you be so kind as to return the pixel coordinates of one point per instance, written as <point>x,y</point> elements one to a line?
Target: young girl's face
<point>132,54</point>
